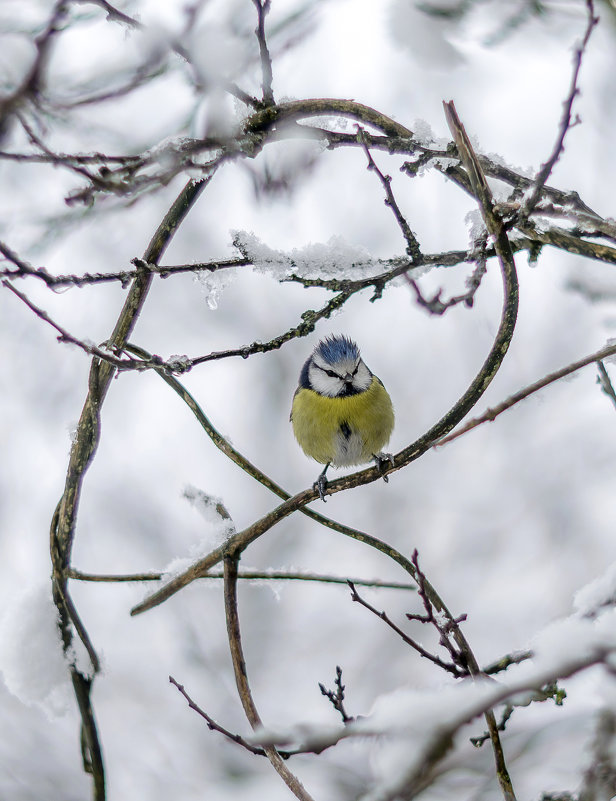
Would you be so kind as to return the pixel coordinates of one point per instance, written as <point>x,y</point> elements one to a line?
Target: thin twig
<point>336,696</point>
<point>445,624</point>
<point>566,122</point>
<point>213,726</point>
<point>492,413</point>
<point>245,575</point>
<point>65,336</point>
<point>449,667</point>
<point>413,248</point>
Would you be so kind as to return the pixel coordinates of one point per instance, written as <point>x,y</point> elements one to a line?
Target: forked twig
<point>336,696</point>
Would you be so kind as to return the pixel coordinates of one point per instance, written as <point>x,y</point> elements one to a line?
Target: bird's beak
<point>348,379</point>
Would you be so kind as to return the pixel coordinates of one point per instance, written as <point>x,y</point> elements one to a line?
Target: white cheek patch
<point>324,384</point>
<point>363,378</point>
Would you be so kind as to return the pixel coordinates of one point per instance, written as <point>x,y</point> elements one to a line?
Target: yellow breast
<point>343,431</point>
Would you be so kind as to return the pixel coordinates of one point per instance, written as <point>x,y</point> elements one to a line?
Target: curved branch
<point>82,451</point>
<point>241,679</point>
<point>237,543</point>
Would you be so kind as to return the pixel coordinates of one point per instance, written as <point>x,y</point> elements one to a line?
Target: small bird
<point>341,412</point>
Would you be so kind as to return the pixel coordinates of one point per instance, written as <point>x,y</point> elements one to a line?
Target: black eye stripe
<point>330,373</point>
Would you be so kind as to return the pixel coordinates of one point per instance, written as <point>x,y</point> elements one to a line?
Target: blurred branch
<point>439,735</point>
<point>604,381</point>
<point>113,13</point>
<point>241,678</point>
<point>263,7</point>
<point>245,575</point>
<point>492,413</point>
<point>506,661</point>
<point>32,84</point>
<point>549,692</point>
<point>600,776</point>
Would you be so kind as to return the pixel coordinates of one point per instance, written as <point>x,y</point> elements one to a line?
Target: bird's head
<point>336,368</point>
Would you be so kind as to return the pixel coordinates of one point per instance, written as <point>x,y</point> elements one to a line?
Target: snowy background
<point>510,521</point>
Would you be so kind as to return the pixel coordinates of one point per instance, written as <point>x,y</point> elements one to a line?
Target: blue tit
<point>341,413</point>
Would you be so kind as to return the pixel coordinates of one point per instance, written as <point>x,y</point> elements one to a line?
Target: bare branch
<point>413,248</point>
<point>213,726</point>
<point>241,678</point>
<point>492,413</point>
<point>565,122</point>
<point>449,667</point>
<point>64,336</point>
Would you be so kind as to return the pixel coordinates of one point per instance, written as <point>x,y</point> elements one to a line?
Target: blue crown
<point>335,349</point>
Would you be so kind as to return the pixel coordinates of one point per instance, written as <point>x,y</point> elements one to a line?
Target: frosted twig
<point>506,661</point>
<point>566,123</point>
<point>491,414</point>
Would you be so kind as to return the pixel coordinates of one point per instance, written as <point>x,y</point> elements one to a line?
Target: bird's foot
<point>320,485</point>
<point>384,460</point>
